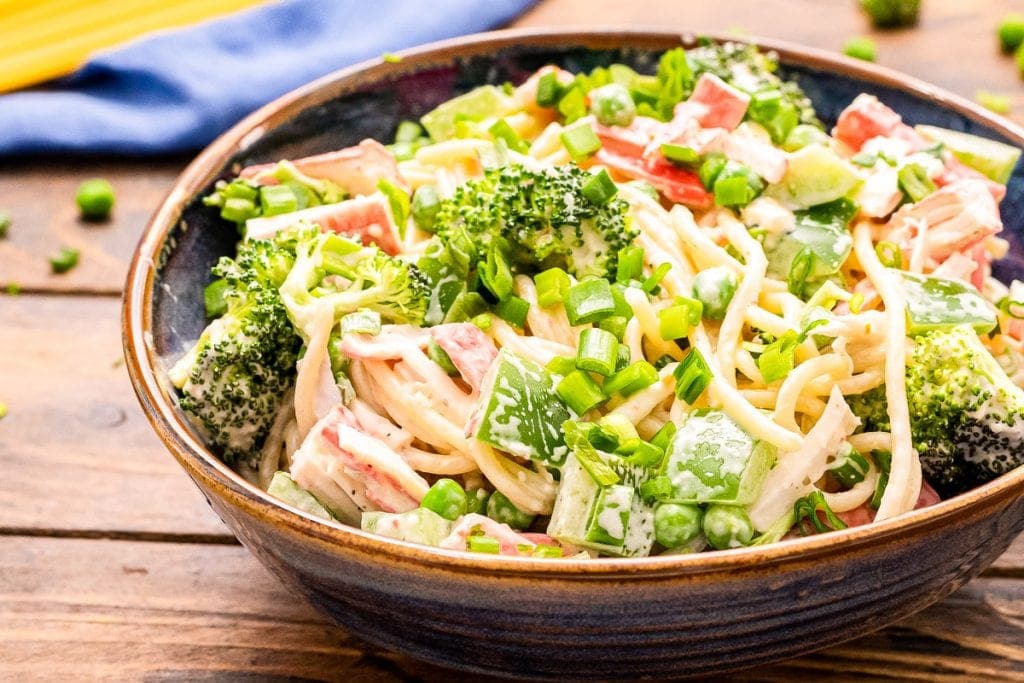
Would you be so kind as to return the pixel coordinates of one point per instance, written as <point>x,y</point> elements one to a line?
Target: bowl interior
<point>372,105</point>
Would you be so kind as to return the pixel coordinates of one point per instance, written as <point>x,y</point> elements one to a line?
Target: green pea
<point>612,105</point>
<point>95,198</point>
<point>446,498</point>
<point>501,509</point>
<point>676,524</point>
<point>477,501</point>
<point>804,135</point>
<point>5,223</point>
<point>714,288</point>
<point>727,526</point>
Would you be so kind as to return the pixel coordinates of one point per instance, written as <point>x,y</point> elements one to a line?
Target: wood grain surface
<point>112,567</point>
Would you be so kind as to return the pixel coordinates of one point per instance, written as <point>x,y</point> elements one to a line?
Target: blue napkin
<point>177,90</point>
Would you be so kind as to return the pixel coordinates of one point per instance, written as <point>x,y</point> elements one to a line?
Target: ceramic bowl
<point>530,618</point>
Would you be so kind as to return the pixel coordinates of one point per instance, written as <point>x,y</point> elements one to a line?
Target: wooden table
<point>112,567</point>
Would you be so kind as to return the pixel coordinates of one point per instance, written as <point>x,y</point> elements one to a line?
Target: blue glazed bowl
<point>608,619</point>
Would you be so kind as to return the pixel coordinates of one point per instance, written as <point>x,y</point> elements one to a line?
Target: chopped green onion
<point>3,410</point>
<point>779,358</point>
<point>13,289</point>
<point>616,324</point>
<point>710,169</point>
<point>441,357</point>
<point>65,260</point>
<point>586,455</point>
<point>561,365</point>
<point>619,426</point>
<point>572,105</point>
<point>651,284</point>
<point>95,199</point>
<point>630,265</point>
<point>580,141</point>
<point>5,223</point>
<point>631,379</point>
<point>501,130</point>
<point>800,269</point>
<point>850,468</point>
<point>676,321</point>
<point>1011,307</point>
<point>398,199</point>
<point>361,322</point>
<point>277,199</point>
<point>656,488</point>
<point>600,188</point>
<point>496,273</point>
<point>884,461</point>
<point>624,355</point>
<point>238,210</point>
<point>466,306</point>
<point>809,511</point>
<point>663,436</point>
<point>680,154</point>
<point>483,321</point>
<point>622,307</point>
<point>732,191</point>
<point>549,90</point>
<point>693,375</point>
<point>589,301</point>
<point>861,47</point>
<point>425,204</point>
<point>513,310</point>
<point>580,392</point>
<point>483,544</point>
<point>646,455</point>
<point>552,287</point>
<point>598,351</point>
<point>915,182</point>
<point>213,298</point>
<point>546,551</point>
<point>889,254</point>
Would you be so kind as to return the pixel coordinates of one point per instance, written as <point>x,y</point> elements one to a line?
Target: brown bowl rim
<point>201,464</point>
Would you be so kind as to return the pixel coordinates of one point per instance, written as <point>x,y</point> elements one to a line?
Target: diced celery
<point>938,304</point>
<point>479,103</point>
<point>283,487</point>
<point>574,521</point>
<point>711,459</point>
<point>815,175</point>
<point>416,526</point>
<point>519,411</point>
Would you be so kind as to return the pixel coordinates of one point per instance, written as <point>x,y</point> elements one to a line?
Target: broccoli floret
<point>966,414</point>
<point>544,216</point>
<point>346,276</point>
<point>233,379</point>
<point>242,199</point>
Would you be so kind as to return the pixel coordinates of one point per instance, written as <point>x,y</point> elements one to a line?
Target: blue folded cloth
<point>177,90</point>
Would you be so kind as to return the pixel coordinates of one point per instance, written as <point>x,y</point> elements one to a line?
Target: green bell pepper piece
<point>938,304</point>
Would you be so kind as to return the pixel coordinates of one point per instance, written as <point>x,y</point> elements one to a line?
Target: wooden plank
<point>76,452</point>
<point>954,46</point>
<point>119,609</point>
<point>40,197</point>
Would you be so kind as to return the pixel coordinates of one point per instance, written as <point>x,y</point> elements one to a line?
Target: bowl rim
<point>153,390</point>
